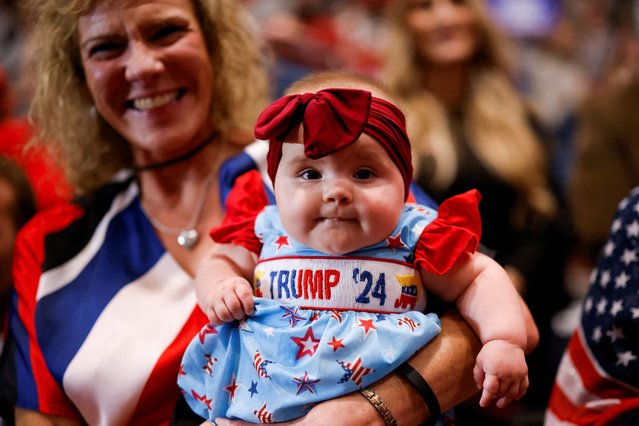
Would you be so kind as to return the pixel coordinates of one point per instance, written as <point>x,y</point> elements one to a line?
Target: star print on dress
<point>408,322</point>
<point>354,371</point>
<point>308,344</point>
<point>253,389</point>
<point>203,399</point>
<point>208,329</point>
<point>395,241</point>
<point>291,314</point>
<point>210,362</point>
<point>366,325</point>
<point>263,415</point>
<point>260,365</point>
<point>305,383</point>
<point>232,387</point>
<point>281,241</point>
<point>337,315</point>
<point>336,344</point>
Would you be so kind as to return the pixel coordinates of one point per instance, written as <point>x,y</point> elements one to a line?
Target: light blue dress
<point>324,326</point>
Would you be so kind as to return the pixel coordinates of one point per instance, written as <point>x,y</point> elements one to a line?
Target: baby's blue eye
<point>310,174</point>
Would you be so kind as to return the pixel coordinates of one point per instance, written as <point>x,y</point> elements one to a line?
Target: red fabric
<point>46,178</point>
<point>244,203</point>
<point>588,378</point>
<point>456,230</point>
<point>150,410</point>
<point>334,119</point>
<point>29,255</point>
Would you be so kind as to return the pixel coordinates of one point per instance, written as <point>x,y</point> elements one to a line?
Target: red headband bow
<point>334,119</point>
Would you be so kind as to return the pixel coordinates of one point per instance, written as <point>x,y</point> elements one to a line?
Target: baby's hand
<point>501,372</point>
<point>230,299</point>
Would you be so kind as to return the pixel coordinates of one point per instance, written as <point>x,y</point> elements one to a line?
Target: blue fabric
<point>274,365</point>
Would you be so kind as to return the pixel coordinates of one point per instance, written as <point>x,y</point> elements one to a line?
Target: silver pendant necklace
<point>186,237</point>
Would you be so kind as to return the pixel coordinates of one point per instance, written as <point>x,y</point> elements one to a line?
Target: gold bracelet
<point>379,405</point>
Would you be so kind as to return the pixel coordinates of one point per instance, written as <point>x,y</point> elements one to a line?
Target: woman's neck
<point>447,83</point>
<point>175,186</point>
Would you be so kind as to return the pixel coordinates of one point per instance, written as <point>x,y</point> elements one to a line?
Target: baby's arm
<point>222,283</point>
<point>490,304</point>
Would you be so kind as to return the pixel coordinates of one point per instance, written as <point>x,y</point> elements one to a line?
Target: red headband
<point>334,119</point>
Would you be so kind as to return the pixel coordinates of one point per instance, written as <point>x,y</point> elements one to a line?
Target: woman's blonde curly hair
<point>62,110</point>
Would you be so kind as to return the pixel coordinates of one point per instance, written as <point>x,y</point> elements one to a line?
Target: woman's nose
<point>337,191</point>
<point>142,63</point>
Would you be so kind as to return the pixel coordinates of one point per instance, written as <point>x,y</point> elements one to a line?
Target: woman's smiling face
<point>150,74</point>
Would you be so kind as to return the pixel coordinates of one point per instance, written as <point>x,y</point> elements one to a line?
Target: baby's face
<point>336,204</point>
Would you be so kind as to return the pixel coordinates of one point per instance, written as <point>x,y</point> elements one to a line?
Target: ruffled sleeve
<point>457,229</point>
<point>245,201</point>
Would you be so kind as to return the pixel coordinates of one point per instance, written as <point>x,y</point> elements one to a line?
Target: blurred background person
<point>606,154</point>
<point>470,128</point>
<point>607,157</point>
<point>17,206</point>
<point>14,53</point>
<point>44,173</point>
<point>308,35</point>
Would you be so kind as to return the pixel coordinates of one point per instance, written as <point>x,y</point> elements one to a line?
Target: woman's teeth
<point>144,104</point>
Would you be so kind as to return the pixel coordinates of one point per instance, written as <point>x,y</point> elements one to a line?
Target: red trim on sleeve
<point>456,230</point>
<point>245,201</point>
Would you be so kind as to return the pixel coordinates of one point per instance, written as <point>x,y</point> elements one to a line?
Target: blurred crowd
<point>533,102</point>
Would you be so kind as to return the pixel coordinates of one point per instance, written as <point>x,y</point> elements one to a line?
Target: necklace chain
<point>189,235</point>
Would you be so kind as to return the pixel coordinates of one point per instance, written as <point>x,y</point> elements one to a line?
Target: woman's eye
<point>104,50</point>
<point>363,174</point>
<point>310,175</point>
<point>169,32</point>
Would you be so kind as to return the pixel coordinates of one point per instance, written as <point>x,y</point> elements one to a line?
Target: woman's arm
<point>446,364</point>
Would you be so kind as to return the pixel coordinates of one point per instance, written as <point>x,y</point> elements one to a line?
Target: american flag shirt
<point>597,382</point>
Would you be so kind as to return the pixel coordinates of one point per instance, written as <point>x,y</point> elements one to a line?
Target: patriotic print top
<point>102,312</point>
<point>598,378</point>
<point>382,277</point>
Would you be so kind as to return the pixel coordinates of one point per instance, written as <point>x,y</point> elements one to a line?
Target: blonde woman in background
<point>448,64</point>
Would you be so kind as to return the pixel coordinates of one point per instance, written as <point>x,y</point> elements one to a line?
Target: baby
<point>339,267</point>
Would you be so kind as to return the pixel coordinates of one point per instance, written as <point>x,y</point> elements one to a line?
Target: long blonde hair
<point>496,119</point>
<point>62,109</point>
